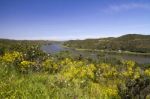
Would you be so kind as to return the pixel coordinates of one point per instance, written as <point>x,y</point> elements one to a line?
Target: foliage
<point>12,57</point>
<point>130,42</point>
<point>32,74</point>
<point>24,66</point>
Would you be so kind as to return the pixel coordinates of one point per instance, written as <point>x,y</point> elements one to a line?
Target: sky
<point>73,19</point>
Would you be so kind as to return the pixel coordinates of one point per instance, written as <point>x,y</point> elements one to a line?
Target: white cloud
<point>125,7</point>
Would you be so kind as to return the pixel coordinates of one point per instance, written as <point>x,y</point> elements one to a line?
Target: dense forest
<point>129,42</point>
<point>26,72</point>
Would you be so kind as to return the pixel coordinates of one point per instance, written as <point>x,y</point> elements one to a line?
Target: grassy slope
<point>130,42</point>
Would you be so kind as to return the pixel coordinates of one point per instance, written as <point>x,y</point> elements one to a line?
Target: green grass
<point>14,85</point>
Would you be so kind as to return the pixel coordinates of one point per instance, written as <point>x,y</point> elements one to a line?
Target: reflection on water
<point>54,48</point>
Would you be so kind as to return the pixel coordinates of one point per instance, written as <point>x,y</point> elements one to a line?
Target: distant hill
<point>129,42</point>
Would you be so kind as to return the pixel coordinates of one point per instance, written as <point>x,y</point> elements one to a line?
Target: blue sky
<point>73,19</point>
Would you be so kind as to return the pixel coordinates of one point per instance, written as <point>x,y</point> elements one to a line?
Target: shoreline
<point>104,51</point>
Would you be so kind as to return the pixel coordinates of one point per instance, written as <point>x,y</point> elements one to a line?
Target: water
<point>139,59</point>
<point>54,48</point>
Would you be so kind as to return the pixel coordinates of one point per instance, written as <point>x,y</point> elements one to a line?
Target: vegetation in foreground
<point>28,73</point>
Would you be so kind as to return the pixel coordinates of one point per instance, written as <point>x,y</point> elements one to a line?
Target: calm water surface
<point>54,48</point>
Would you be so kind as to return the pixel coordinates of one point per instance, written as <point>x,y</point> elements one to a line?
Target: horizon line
<point>52,39</point>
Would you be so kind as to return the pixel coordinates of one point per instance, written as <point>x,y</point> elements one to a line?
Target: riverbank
<point>104,51</point>
<point>96,55</point>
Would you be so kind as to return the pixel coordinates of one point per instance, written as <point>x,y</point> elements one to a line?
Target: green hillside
<point>129,42</point>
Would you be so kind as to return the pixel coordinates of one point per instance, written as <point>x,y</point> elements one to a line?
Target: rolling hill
<point>130,42</point>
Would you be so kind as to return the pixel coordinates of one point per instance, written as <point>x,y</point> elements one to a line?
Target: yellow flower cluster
<point>25,65</point>
<point>77,69</point>
<point>129,63</point>
<point>106,70</point>
<point>111,92</point>
<point>102,90</point>
<point>49,64</point>
<point>129,68</point>
<point>11,57</point>
<point>137,73</point>
<point>147,72</point>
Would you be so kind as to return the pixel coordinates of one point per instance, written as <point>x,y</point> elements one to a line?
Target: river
<point>54,48</point>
